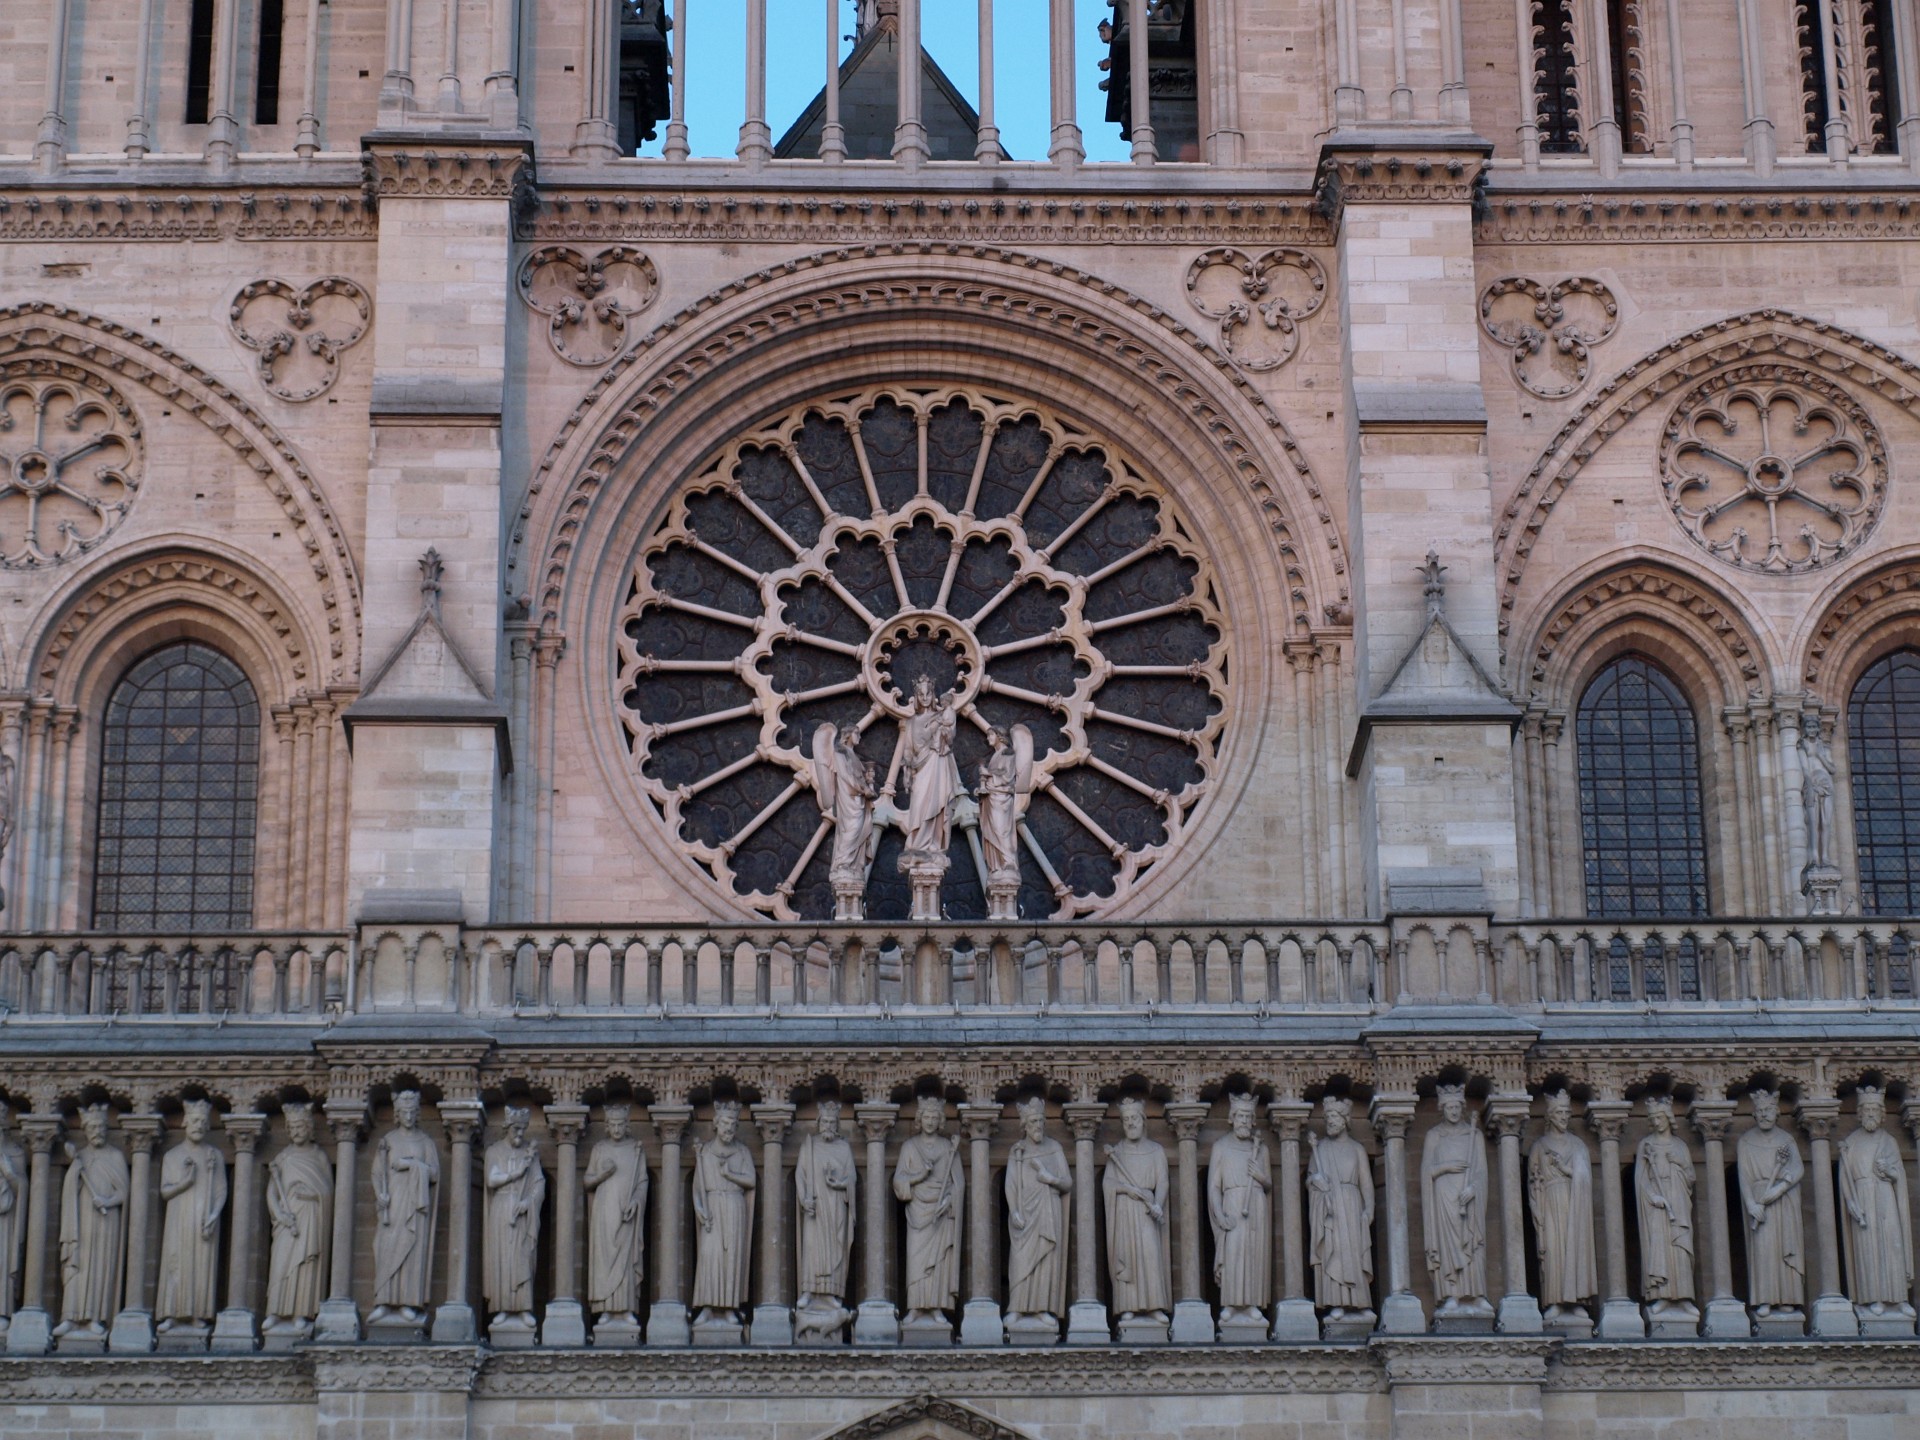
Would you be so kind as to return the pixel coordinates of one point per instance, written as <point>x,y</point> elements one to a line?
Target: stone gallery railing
<point>260,974</point>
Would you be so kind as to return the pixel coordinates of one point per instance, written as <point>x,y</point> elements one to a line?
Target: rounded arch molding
<point>810,311</point>
<point>37,332</point>
<point>1859,621</point>
<point>1755,338</point>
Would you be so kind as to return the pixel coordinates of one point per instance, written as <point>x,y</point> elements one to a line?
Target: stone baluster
<point>236,1328</point>
<point>453,1320</point>
<point>565,1322</point>
<point>667,1321</point>
<point>772,1316</point>
<point>1192,1316</point>
<point>32,1328</point>
<point>1620,1318</point>
<point>980,1321</point>
<point>910,130</point>
<point>1833,1314</point>
<point>339,1318</point>
<point>878,1322</point>
<point>833,135</point>
<point>1293,1316</point>
<point>986,148</point>
<point>756,139</point>
<point>132,1332</point>
<point>1519,1311</point>
<point>1401,1312</point>
<point>1087,1319</point>
<point>1726,1317</point>
<point>1138,85</point>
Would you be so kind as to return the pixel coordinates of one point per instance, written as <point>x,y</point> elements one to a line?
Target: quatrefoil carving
<point>1550,329</point>
<point>300,333</point>
<point>588,299</point>
<point>1259,301</point>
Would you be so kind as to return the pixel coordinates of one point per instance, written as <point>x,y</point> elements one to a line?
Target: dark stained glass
<point>1640,817</point>
<point>179,774</point>
<point>1883,756</point>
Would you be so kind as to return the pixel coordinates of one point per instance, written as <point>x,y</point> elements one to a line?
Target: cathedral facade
<point>880,786</point>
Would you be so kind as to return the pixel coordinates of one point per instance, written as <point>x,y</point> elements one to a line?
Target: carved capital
<point>566,1123</point>
<point>1712,1120</point>
<point>463,1119</point>
<point>876,1121</point>
<point>42,1130</point>
<point>671,1121</point>
<point>477,170</point>
<point>1186,1117</point>
<point>1608,1119</point>
<point>345,1118</point>
<point>245,1128</point>
<point>1083,1117</point>
<point>1289,1119</point>
<point>1818,1117</point>
<point>1391,1115</point>
<point>980,1120</point>
<point>142,1131</point>
<point>773,1121</point>
<point>1354,172</point>
<point>1507,1115</point>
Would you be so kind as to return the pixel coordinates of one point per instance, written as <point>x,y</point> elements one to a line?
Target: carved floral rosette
<point>70,452</point>
<point>824,563</point>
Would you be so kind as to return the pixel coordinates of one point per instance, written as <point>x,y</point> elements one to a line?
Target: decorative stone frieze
<point>111,213</point>
<point>469,169</point>
<point>300,333</point>
<point>1672,216</point>
<point>1354,171</point>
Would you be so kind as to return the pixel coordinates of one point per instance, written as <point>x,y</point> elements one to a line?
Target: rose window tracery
<point>826,564</point>
<point>1772,471</point>
<point>69,466</point>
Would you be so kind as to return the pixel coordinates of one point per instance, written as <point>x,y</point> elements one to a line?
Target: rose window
<point>823,567</point>
<point>69,455</point>
<point>1773,473</point>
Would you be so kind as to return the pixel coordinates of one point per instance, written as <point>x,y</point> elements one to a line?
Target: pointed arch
<point>930,1417</point>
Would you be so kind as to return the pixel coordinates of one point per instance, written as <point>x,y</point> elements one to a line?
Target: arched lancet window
<point>179,770</point>
<point>1640,818</point>
<point>1883,756</point>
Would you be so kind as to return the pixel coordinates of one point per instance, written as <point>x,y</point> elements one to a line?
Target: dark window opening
<point>1624,21</point>
<point>1814,100</point>
<point>1555,88</point>
<point>199,61</point>
<point>645,71</point>
<point>1884,101</point>
<point>1883,763</point>
<point>266,85</point>
<point>1641,823</point>
<point>179,776</point>
<point>1173,77</point>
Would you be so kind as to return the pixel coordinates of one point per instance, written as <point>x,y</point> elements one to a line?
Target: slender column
<point>449,100</point>
<point>520,822</point>
<point>1293,1317</point>
<point>772,1317</point>
<point>1839,142</point>
<point>1603,134</point>
<point>987,148</point>
<point>133,1326</point>
<point>1519,1311</point>
<point>1453,77</point>
<point>1620,1318</point>
<point>675,145</point>
<point>980,1322</point>
<point>756,140</point>
<point>57,904</point>
<point>667,1323</point>
<point>453,1321</point>
<point>1772,867</point>
<point>235,1328</point>
<point>314,810</point>
<point>1680,130</point>
<point>1401,1313</point>
<point>878,1322</point>
<point>1738,724</point>
<point>1562,842</point>
<point>1192,1316</point>
<point>1139,102</point>
<point>565,1322</point>
<point>339,1320</point>
<point>1064,149</point>
<point>1726,1317</point>
<point>833,135</point>
<point>1790,786</point>
<point>503,91</point>
<point>1907,72</point>
<point>223,134</point>
<point>139,134</point>
<point>1910,1112</point>
<point>1400,102</point>
<point>1349,98</point>
<point>1301,661</point>
<point>298,867</point>
<point>1529,130</point>
<point>32,1327</point>
<point>1753,79</point>
<point>910,130</point>
<point>1220,87</point>
<point>307,129</point>
<point>396,86</point>
<point>1833,1313</point>
<point>1087,1319</point>
<point>50,144</point>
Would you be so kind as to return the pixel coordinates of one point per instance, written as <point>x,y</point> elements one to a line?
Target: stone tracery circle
<point>819,565</point>
<point>70,451</point>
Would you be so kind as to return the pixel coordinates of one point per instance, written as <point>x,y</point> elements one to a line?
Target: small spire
<point>431,569</point>
<point>1436,587</point>
<point>876,15</point>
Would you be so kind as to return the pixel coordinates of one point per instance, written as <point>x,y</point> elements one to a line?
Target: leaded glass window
<point>1883,756</point>
<point>179,775</point>
<point>1640,816</point>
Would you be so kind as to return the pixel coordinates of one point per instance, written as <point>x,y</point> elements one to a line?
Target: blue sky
<point>796,67</point>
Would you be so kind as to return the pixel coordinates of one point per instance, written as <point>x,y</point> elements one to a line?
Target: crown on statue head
<point>936,1103</point>
<point>1240,1105</point>
<point>1337,1105</point>
<point>1133,1104</point>
<point>1663,1104</point>
<point>518,1114</point>
<point>202,1108</point>
<point>726,1107</point>
<point>1869,1095</point>
<point>1451,1092</point>
<point>1032,1105</point>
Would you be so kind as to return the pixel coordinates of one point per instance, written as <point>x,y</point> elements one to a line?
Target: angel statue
<point>844,784</point>
<point>1006,780</point>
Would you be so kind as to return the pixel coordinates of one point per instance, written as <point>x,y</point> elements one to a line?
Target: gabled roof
<point>869,107</point>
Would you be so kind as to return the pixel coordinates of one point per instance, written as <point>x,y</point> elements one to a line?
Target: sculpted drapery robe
<point>1340,1220</point>
<point>1873,1186</point>
<point>516,1186</point>
<point>823,1182</point>
<point>1037,1227</point>
<point>723,1184</point>
<point>1560,1185</point>
<point>616,1227</point>
<point>1663,1169</point>
<point>300,1206</point>
<point>1456,1224</point>
<point>13,1219</point>
<point>929,1179</point>
<point>406,1169</point>
<point>1136,1173</point>
<point>93,1234</point>
<point>189,1257</point>
<point>933,779</point>
<point>1240,1204</point>
<point>1776,1249</point>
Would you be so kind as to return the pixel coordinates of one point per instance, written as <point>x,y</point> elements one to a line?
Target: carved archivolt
<point>1771,468</point>
<point>1891,592</point>
<point>1280,287</point>
<point>300,333</point>
<point>822,565</point>
<point>587,298</point>
<point>1549,329</point>
<point>1636,587</point>
<point>69,464</point>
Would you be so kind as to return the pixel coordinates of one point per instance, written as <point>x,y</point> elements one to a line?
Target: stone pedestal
<point>511,1332</point>
<point>1781,1325</point>
<point>453,1324</point>
<point>284,1337</point>
<point>1833,1318</point>
<point>1243,1329</point>
<point>933,1332</point>
<point>565,1324</point>
<point>718,1333</point>
<point>1295,1321</point>
<point>132,1332</point>
<point>667,1324</point>
<point>30,1332</point>
<point>1087,1324</point>
<point>338,1323</point>
<point>82,1342</point>
<point>1519,1315</point>
<point>1620,1319</point>
<point>1677,1323</point>
<point>1401,1314</point>
<point>233,1332</point>
<point>1033,1330</point>
<point>1821,885</point>
<point>772,1325</point>
<point>1572,1321</point>
<point>1727,1320</point>
<point>1003,900</point>
<point>924,872</point>
<point>1355,1325</point>
<point>876,1322</point>
<point>610,1334</point>
<point>1192,1323</point>
<point>397,1330</point>
<point>849,900</point>
<point>184,1337</point>
<point>1143,1330</point>
<point>980,1324</point>
<point>1467,1317</point>
<point>1890,1324</point>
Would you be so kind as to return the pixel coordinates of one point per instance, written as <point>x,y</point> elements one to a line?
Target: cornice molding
<point>120,212</point>
<point>1688,216</point>
<point>156,1380</point>
<point>469,169</point>
<point>1358,168</point>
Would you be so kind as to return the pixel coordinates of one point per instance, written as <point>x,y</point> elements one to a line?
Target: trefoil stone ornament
<point>1549,330</point>
<point>1259,300</point>
<point>588,299</point>
<point>300,333</point>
